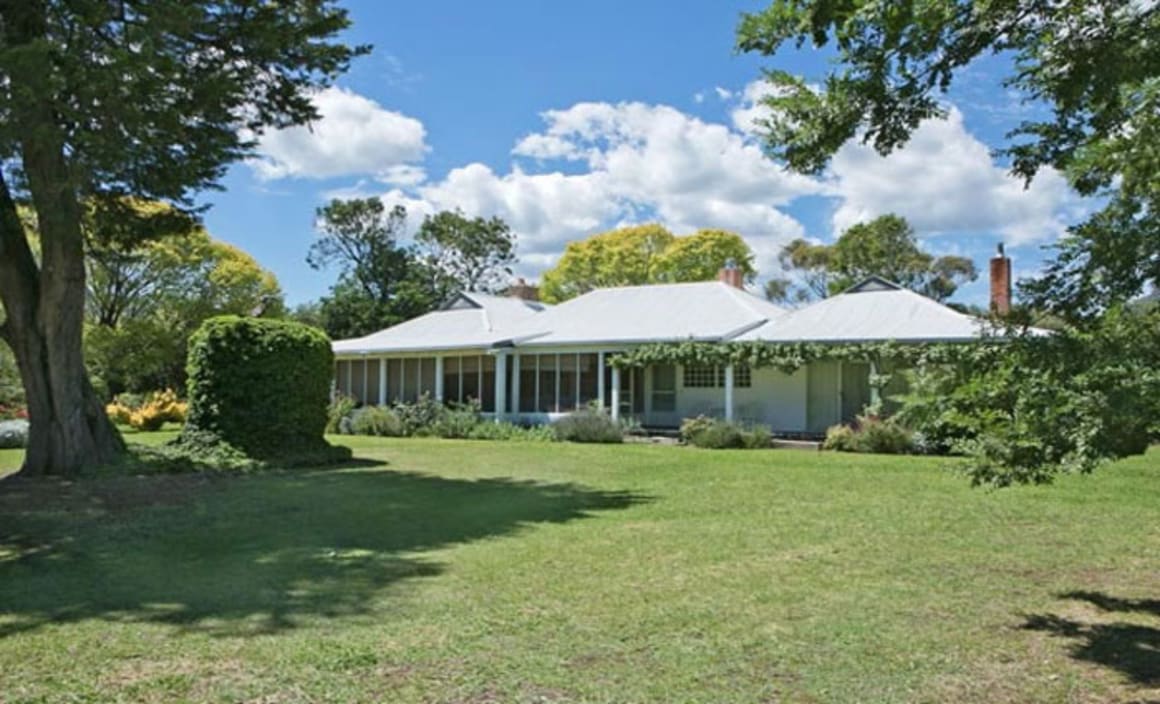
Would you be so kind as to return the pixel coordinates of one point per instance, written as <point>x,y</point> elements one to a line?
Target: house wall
<point>773,398</point>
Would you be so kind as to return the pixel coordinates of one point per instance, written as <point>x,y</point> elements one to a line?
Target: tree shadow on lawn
<point>237,555</point>
<point>1129,648</point>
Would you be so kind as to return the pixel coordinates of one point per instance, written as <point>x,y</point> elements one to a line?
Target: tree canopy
<point>1095,64</point>
<point>885,246</point>
<point>382,281</point>
<point>473,254</point>
<point>643,254</point>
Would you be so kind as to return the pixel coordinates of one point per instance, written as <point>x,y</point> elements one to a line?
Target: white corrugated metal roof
<point>472,320</point>
<point>872,313</point>
<point>708,310</point>
<point>874,310</point>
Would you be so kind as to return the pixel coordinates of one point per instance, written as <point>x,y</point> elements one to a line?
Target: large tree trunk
<point>45,306</point>
<point>69,429</point>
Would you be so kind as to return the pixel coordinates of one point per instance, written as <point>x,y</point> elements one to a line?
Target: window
<point>703,377</point>
<point>699,377</point>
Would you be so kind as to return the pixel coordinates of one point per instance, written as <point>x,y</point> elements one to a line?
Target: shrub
<point>841,438</point>
<point>510,431</point>
<point>458,421</point>
<point>260,386</point>
<point>871,434</point>
<point>718,434</point>
<point>421,417</point>
<point>376,420</point>
<point>13,434</point>
<point>119,413</point>
<point>148,412</point>
<point>339,410</point>
<point>588,425</point>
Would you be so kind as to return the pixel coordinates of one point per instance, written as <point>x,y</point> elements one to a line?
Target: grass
<point>458,571</point>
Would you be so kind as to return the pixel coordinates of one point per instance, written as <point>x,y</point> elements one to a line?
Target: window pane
<point>546,403</point>
<point>340,383</point>
<point>451,380</point>
<point>410,381</point>
<point>487,393</point>
<point>356,380</point>
<point>527,382</point>
<point>568,400</point>
<point>742,376</point>
<point>471,378</point>
<point>700,377</point>
<point>427,376</point>
<point>373,381</point>
<point>589,383</point>
<point>394,379</point>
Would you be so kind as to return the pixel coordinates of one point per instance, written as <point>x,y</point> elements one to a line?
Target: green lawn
<point>458,571</point>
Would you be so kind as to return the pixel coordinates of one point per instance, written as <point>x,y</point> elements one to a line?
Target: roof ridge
<point>739,295</point>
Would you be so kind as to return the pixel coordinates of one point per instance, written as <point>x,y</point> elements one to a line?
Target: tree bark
<point>45,305</point>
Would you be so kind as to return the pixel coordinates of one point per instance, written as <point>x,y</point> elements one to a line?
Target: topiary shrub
<point>588,425</point>
<point>261,387</point>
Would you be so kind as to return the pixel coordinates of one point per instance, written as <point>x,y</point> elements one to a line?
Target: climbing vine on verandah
<point>788,357</point>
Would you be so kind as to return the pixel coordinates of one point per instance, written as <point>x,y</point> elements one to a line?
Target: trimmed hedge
<point>260,387</point>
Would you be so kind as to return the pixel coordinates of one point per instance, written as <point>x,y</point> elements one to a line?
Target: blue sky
<point>569,118</point>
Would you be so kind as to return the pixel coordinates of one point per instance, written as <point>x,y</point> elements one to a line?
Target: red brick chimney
<point>1000,283</point>
<point>523,290</point>
<point>730,274</point>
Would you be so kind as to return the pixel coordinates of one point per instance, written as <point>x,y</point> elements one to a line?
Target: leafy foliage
<point>1068,402</point>
<point>471,254</point>
<point>259,386</point>
<point>643,254</point>
<point>885,246</point>
<point>145,300</point>
<point>720,434</point>
<point>588,425</point>
<point>789,357</point>
<point>381,282</point>
<point>871,434</point>
<point>376,420</point>
<point>13,433</point>
<point>510,431</point>
<point>1096,64</point>
<point>149,412</point>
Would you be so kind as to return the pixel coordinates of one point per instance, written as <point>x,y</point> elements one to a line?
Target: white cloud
<point>597,165</point>
<point>354,136</point>
<point>643,162</point>
<point>944,181</point>
<point>698,98</point>
<point>723,93</point>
